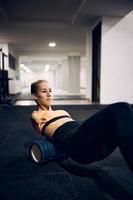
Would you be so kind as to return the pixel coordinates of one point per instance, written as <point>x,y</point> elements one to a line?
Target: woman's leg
<point>99,135</point>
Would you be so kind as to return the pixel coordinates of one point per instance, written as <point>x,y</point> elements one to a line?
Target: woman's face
<point>43,95</point>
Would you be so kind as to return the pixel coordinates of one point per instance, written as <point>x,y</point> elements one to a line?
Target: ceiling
<point>29,25</point>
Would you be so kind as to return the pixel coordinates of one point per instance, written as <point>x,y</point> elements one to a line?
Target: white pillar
<point>89,65</point>
<point>65,74</point>
<point>59,77</point>
<point>74,73</point>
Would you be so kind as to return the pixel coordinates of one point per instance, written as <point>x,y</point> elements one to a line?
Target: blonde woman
<point>96,138</point>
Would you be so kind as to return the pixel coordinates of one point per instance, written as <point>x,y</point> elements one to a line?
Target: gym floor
<point>21,179</point>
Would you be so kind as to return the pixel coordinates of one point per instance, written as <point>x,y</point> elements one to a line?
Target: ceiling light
<point>52,44</point>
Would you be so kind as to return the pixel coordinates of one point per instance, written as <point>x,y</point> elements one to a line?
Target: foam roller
<point>43,150</point>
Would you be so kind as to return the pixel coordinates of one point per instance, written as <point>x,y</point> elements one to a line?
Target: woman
<point>94,139</point>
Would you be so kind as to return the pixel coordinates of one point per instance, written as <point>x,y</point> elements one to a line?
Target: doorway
<point>96,62</point>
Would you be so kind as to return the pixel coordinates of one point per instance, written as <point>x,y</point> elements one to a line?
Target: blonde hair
<point>34,86</point>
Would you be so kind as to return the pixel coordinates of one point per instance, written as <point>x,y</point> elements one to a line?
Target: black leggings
<point>99,135</point>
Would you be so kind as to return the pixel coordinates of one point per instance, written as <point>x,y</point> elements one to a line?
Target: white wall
<point>27,79</point>
<point>117,60</point>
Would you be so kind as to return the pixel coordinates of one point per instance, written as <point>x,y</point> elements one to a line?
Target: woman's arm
<point>37,121</point>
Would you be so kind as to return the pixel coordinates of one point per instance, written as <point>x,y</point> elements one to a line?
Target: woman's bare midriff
<point>51,128</point>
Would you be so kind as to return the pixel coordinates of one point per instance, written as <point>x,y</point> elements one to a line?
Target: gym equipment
<point>4,91</point>
<point>43,150</point>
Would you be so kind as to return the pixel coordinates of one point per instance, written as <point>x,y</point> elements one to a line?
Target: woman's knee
<point>121,108</point>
